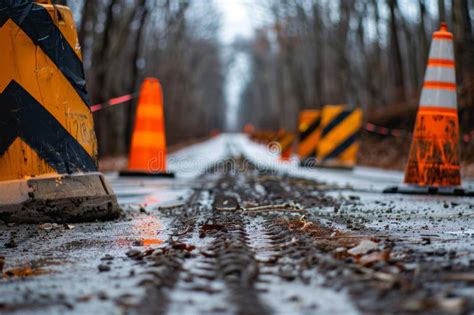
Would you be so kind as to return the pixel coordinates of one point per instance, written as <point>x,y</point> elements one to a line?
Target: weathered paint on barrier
<point>338,143</point>
<point>309,132</point>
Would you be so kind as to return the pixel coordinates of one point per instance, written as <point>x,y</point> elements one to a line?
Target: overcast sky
<point>238,21</point>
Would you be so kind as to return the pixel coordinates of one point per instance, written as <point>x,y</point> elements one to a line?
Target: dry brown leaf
<point>374,257</point>
<point>363,248</point>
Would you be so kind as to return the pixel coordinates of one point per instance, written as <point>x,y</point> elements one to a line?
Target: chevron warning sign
<point>338,143</point>
<point>52,129</point>
<point>48,146</point>
<point>308,130</point>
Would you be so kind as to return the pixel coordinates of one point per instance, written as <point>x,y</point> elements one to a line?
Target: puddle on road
<point>148,192</point>
<point>145,231</point>
<point>150,197</point>
<point>148,229</point>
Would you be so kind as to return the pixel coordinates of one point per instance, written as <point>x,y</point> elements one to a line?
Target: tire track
<point>288,267</point>
<point>237,265</point>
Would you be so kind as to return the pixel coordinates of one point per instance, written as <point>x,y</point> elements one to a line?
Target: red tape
<point>112,102</point>
<point>385,131</point>
<point>368,126</point>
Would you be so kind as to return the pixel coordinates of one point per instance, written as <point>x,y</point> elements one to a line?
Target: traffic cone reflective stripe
<point>440,63</point>
<point>434,153</point>
<point>440,71</point>
<point>148,146</point>
<point>437,97</point>
<point>438,85</point>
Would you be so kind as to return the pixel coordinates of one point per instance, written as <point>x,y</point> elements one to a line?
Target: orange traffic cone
<point>148,146</point>
<point>433,163</point>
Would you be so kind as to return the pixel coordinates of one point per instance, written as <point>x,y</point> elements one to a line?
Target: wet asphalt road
<point>250,236</point>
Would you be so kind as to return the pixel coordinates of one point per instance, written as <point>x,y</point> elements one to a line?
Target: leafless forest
<point>176,41</point>
<point>368,53</point>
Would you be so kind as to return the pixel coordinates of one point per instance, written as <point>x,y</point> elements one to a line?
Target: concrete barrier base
<point>63,198</point>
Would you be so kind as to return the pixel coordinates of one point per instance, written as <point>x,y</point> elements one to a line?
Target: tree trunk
<point>99,91</point>
<point>441,11</point>
<point>134,84</point>
<point>397,65</point>
<point>464,51</point>
<point>87,13</point>
<point>318,72</point>
<point>423,38</point>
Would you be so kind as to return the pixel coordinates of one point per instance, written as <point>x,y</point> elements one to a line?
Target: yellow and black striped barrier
<point>338,143</point>
<point>48,147</point>
<point>308,136</point>
<point>286,141</point>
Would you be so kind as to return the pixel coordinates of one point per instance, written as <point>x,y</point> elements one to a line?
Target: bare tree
<point>397,68</point>
<point>124,41</point>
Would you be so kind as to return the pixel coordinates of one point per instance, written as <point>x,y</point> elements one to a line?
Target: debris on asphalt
<point>107,257</point>
<point>68,226</point>
<point>103,268</point>
<point>133,253</point>
<point>11,243</point>
<point>249,242</point>
<point>23,272</point>
<point>48,226</point>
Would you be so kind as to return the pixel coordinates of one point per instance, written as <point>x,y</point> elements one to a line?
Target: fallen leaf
<point>466,276</point>
<point>183,246</point>
<point>363,248</point>
<point>452,305</point>
<point>383,276</point>
<point>48,226</point>
<point>414,305</point>
<point>148,252</point>
<point>134,253</point>
<point>340,253</point>
<point>209,227</point>
<point>374,257</point>
<point>24,272</point>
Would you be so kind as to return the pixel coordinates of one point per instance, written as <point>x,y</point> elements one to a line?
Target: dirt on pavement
<point>252,241</point>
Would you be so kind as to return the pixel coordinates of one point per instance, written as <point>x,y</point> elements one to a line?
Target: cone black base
<point>145,174</point>
<point>65,198</point>
<point>428,190</point>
